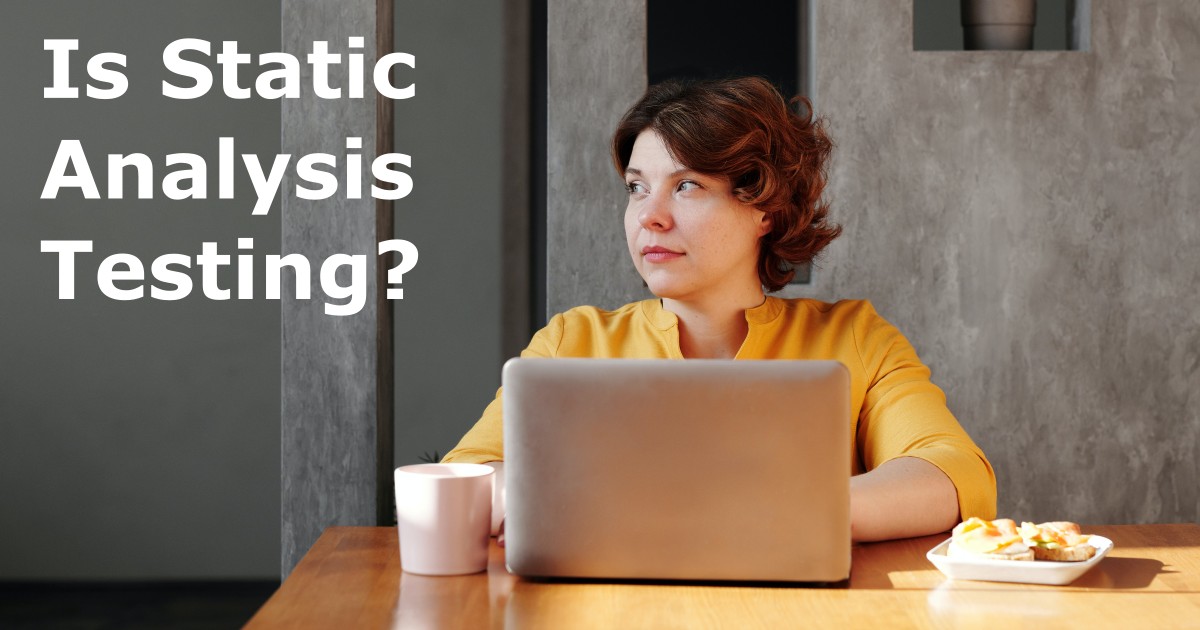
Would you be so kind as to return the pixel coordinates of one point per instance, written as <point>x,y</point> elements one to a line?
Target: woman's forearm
<point>903,497</point>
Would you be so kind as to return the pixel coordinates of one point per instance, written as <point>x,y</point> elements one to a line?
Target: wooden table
<point>351,578</point>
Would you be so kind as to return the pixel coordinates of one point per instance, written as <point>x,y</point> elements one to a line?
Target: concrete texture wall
<point>1029,220</point>
<point>328,423</point>
<point>139,440</point>
<point>596,69</point>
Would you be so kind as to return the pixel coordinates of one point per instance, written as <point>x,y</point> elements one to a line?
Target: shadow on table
<point>1121,573</point>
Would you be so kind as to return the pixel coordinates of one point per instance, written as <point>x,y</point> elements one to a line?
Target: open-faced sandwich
<point>1059,541</point>
<point>996,540</point>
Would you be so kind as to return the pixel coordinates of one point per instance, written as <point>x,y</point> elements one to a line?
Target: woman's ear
<point>764,224</point>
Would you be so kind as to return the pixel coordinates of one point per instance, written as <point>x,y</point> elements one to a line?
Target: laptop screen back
<point>677,470</point>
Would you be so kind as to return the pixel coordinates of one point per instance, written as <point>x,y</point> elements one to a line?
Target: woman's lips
<point>659,254</point>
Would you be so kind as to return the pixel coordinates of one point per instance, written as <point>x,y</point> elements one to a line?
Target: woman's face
<point>690,239</point>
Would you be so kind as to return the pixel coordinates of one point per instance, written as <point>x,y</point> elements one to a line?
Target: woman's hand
<point>498,501</point>
<point>902,498</point>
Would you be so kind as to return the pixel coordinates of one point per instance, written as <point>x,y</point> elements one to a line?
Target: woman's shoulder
<point>850,309</point>
<point>852,318</point>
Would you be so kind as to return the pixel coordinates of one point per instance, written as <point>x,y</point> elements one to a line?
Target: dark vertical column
<point>331,443</point>
<point>537,162</point>
<point>385,355</point>
<point>806,59</point>
<point>516,319</point>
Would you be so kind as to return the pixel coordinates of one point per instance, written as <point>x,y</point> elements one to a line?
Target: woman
<point>724,183</point>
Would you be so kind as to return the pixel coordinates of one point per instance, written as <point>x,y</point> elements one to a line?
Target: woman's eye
<point>634,188</point>
<point>688,184</point>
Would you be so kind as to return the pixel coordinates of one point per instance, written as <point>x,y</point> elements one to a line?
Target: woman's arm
<point>901,498</point>
<point>904,423</point>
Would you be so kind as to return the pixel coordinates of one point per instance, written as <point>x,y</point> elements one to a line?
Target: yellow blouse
<point>896,410</point>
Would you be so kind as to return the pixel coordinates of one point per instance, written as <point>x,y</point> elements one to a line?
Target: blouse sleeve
<point>905,415</point>
<point>485,441</point>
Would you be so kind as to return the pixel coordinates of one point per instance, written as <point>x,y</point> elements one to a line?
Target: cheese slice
<point>980,536</point>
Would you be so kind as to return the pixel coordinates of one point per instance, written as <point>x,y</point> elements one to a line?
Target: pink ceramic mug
<point>444,513</point>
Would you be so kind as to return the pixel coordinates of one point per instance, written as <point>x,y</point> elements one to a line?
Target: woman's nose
<point>655,213</point>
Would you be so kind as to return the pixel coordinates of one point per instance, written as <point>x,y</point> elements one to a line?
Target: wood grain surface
<point>351,578</point>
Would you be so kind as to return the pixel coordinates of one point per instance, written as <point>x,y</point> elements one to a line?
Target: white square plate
<point>1035,572</point>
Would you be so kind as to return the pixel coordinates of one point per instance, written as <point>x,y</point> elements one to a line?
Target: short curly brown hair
<point>743,130</point>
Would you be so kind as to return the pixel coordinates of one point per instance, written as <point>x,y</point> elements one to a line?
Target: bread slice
<point>1078,553</point>
<point>959,552</point>
<point>1057,541</point>
<point>1065,527</point>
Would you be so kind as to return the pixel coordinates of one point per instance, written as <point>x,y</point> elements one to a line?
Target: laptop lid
<point>677,470</point>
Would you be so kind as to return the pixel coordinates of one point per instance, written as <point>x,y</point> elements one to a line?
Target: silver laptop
<point>677,470</point>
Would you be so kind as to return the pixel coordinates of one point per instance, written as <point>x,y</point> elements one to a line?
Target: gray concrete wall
<point>138,440</point>
<point>1029,220</point>
<point>328,427</point>
<point>596,69</point>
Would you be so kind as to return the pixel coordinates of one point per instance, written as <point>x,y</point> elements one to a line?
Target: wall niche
<point>1059,24</point>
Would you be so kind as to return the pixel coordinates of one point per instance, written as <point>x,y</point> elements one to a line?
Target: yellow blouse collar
<point>663,319</point>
